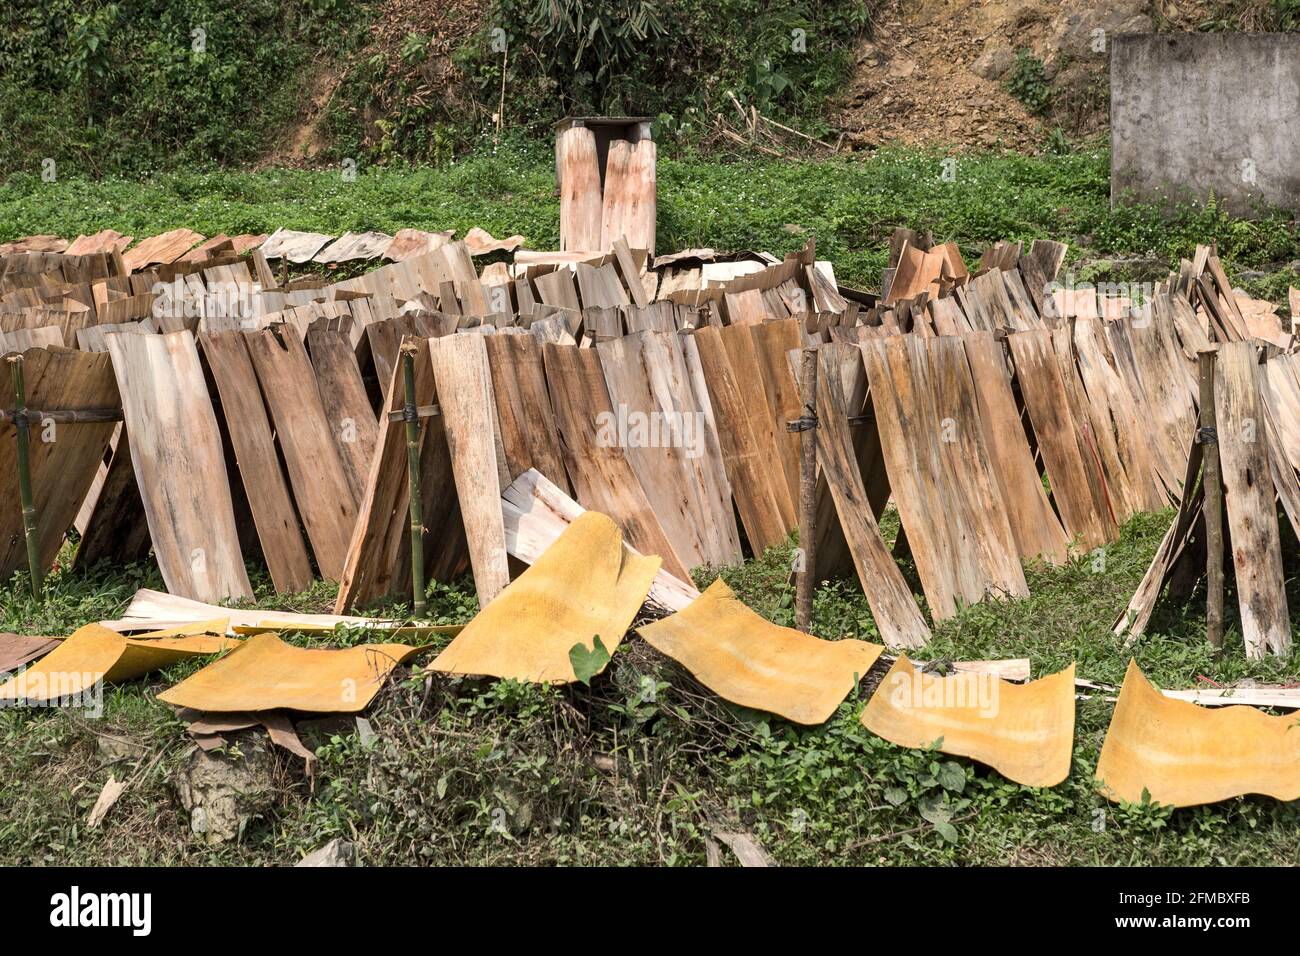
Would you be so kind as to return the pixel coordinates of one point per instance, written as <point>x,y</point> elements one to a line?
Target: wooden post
<point>411,415</point>
<point>807,427</point>
<point>25,473</point>
<point>1212,485</point>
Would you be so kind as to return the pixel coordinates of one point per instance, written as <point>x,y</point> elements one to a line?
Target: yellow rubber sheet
<point>94,653</point>
<point>1187,755</point>
<point>585,585</point>
<point>268,674</point>
<point>1025,732</point>
<point>750,661</point>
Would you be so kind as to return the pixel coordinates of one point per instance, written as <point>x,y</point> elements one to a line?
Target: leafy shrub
<point>1028,82</point>
<point>137,84</point>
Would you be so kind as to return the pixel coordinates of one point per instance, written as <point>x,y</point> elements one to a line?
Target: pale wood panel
<point>528,433</point>
<point>772,344</point>
<point>907,423</point>
<point>1070,468</point>
<point>463,384</point>
<point>664,432</point>
<point>742,356</point>
<point>602,478</point>
<point>317,476</point>
<point>180,465</point>
<point>969,483</point>
<point>578,167</point>
<point>1110,408</point>
<point>1034,524</point>
<point>893,607</point>
<point>258,461</point>
<point>751,471</point>
<point>64,459</point>
<point>1249,501</point>
<point>347,406</point>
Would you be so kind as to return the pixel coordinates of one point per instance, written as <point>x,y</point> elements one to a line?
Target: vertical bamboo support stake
<point>1212,486</point>
<point>411,416</point>
<point>807,428</point>
<point>25,472</point>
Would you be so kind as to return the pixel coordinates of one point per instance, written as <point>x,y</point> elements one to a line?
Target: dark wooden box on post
<point>605,170</point>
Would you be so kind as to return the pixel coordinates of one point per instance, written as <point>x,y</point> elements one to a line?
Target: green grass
<point>639,767</point>
<point>849,205</point>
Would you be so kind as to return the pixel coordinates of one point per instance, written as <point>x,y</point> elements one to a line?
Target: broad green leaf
<point>588,663</point>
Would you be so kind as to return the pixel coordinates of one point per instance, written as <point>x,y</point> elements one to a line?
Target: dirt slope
<point>937,71</point>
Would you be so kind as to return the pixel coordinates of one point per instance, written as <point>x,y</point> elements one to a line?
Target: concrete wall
<point>1195,113</point>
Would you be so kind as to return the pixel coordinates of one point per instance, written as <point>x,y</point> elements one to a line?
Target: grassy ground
<point>641,765</point>
<point>849,205</point>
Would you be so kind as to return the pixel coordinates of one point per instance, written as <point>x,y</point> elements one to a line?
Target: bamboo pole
<point>807,427</point>
<point>1212,486</point>
<point>25,472</point>
<point>411,415</point>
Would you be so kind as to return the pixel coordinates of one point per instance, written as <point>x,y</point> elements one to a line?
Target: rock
<point>114,749</point>
<point>995,61</point>
<point>515,812</point>
<point>224,790</point>
<point>1083,25</point>
<point>901,69</point>
<point>338,852</point>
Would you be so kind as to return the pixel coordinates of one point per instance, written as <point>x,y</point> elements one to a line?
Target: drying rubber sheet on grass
<point>586,585</point>
<point>94,653</point>
<point>749,661</point>
<point>1186,755</point>
<point>1026,733</point>
<point>267,674</point>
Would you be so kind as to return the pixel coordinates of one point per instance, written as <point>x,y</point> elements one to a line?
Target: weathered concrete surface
<point>1198,113</point>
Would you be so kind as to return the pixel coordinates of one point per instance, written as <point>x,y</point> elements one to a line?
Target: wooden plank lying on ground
<point>258,461</point>
<point>603,480</point>
<point>321,489</point>
<point>160,249</point>
<point>64,459</point>
<point>1249,501</point>
<point>180,466</point>
<point>663,432</point>
<point>293,245</point>
<point>528,433</point>
<point>463,383</point>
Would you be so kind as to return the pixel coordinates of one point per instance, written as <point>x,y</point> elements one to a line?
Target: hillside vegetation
<point>137,86</point>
